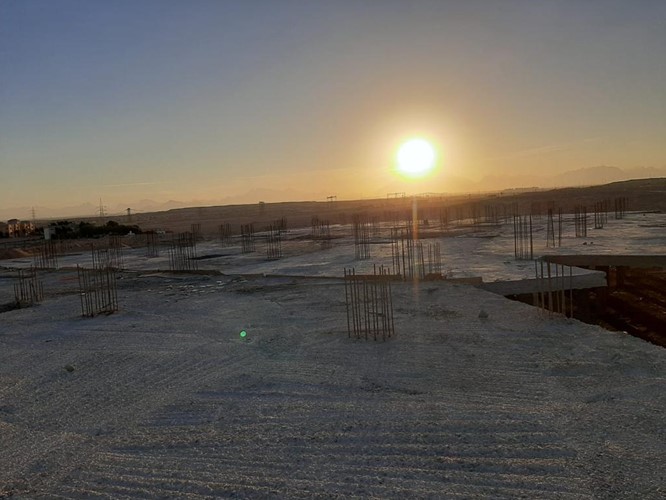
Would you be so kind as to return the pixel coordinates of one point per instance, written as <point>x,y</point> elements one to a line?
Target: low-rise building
<point>17,228</point>
<point>13,228</point>
<point>27,227</point>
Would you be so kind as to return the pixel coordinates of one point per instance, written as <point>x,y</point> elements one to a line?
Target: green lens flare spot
<point>243,334</point>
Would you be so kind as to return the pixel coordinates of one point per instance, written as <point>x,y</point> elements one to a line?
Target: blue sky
<point>201,100</point>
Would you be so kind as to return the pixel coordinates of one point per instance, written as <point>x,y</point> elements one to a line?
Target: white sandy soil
<point>164,399</point>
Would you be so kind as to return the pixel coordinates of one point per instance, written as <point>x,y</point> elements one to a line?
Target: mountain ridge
<point>587,176</point>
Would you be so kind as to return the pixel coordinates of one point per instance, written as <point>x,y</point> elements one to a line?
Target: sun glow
<point>416,158</point>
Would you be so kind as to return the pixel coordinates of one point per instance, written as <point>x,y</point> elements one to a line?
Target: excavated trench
<point>634,301</point>
<point>9,306</point>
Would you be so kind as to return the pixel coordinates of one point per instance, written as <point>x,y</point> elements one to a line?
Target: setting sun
<point>416,158</point>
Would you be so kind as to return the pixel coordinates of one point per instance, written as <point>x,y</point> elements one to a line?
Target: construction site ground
<point>165,398</point>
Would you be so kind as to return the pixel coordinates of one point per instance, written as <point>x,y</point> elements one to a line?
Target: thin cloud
<point>126,184</point>
<point>544,150</point>
<point>133,184</point>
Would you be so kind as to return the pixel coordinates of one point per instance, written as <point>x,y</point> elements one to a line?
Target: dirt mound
<point>14,253</point>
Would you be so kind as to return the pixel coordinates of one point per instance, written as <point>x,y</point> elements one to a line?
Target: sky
<point>205,101</point>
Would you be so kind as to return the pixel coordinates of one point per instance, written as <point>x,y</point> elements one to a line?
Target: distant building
<point>13,226</point>
<point>3,229</point>
<point>17,228</point>
<point>27,227</point>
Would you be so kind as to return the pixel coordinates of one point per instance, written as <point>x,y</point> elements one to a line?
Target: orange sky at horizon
<point>214,101</point>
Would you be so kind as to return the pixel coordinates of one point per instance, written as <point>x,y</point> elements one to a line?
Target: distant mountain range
<point>582,177</point>
<point>590,176</point>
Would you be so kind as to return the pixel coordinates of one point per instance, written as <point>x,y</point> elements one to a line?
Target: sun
<point>416,158</point>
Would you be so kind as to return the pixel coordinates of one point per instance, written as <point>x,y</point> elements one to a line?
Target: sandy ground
<point>485,251</point>
<point>164,399</point>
